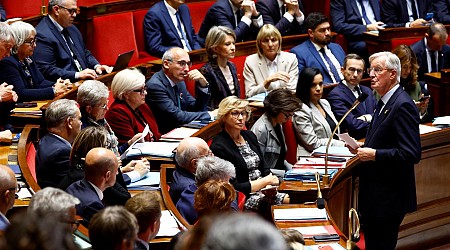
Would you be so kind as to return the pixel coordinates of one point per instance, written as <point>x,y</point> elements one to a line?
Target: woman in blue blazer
<point>21,71</point>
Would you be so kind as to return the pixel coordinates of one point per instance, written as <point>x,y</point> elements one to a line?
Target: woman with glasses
<point>21,71</point>
<point>129,114</point>
<point>270,68</point>
<point>241,148</point>
<point>219,71</point>
<point>315,121</point>
<point>280,106</point>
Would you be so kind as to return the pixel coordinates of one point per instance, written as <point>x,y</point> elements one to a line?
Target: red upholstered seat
<point>239,61</point>
<point>138,21</point>
<point>88,2</point>
<point>241,200</point>
<point>198,12</point>
<point>22,8</point>
<point>291,142</point>
<point>190,85</point>
<point>31,160</point>
<point>407,40</point>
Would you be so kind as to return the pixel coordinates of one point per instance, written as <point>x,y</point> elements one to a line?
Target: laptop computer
<point>123,60</point>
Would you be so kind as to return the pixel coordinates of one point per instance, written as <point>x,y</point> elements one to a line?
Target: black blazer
<point>442,8</point>
<point>271,14</point>
<point>394,13</point>
<point>224,147</point>
<point>421,54</point>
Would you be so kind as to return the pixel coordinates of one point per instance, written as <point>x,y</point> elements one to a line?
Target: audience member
<point>293,238</point>
<point>241,16</point>
<point>8,189</point>
<point>352,18</point>
<point>60,51</point>
<point>219,71</point>
<point>113,228</point>
<point>6,40</point>
<point>100,170</point>
<point>280,106</point>
<point>392,145</point>
<point>442,10</point>
<point>147,209</point>
<point>128,114</point>
<point>214,196</point>
<point>167,94</point>
<point>208,168</point>
<point>318,51</point>
<point>241,148</point>
<point>63,119</point>
<point>188,152</point>
<point>315,121</point>
<point>7,94</point>
<point>168,24</point>
<point>20,70</point>
<point>406,13</point>
<point>269,68</point>
<point>343,96</point>
<point>286,15</point>
<point>193,238</point>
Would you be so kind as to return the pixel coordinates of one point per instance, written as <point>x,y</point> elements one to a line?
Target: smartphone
<point>429,16</point>
<point>326,237</point>
<point>424,98</point>
<point>26,105</point>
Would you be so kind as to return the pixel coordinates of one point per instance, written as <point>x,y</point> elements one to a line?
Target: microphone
<point>353,236</point>
<point>362,97</point>
<point>320,201</point>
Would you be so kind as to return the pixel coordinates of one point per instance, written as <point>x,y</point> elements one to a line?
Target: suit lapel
<point>315,53</point>
<point>355,9</point>
<point>58,35</point>
<point>186,20</point>
<point>263,67</point>
<point>319,118</point>
<point>169,87</point>
<point>376,9</point>
<point>277,10</point>
<point>165,14</point>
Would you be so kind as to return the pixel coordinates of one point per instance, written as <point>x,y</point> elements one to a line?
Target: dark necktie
<point>69,42</point>
<point>377,111</point>
<point>333,69</point>
<point>358,90</point>
<point>433,61</point>
<point>238,17</point>
<point>414,9</point>
<point>183,35</point>
<point>177,95</point>
<point>363,11</point>
<point>283,10</point>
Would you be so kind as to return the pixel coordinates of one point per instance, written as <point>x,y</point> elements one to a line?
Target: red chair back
<point>291,142</point>
<point>198,12</point>
<point>239,61</point>
<point>31,160</point>
<point>22,8</point>
<point>407,40</point>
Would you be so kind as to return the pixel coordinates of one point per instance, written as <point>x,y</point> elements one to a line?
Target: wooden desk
<point>382,40</point>
<point>439,88</point>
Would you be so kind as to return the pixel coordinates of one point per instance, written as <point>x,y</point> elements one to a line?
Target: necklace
<point>240,141</point>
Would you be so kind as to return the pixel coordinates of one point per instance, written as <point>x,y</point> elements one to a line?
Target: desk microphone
<point>362,97</point>
<point>320,201</point>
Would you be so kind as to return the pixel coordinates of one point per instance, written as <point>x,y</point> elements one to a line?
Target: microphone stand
<point>320,201</point>
<point>43,8</point>
<point>352,237</point>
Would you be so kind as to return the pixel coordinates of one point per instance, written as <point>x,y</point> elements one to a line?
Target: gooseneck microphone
<point>320,201</point>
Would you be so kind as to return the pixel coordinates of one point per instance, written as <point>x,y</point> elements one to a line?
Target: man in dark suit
<point>171,103</point>
<point>406,13</point>
<point>52,156</point>
<point>442,9</point>
<point>100,170</point>
<point>319,52</point>
<point>168,24</point>
<point>60,51</point>
<point>387,188</point>
<point>7,94</point>
<point>286,15</point>
<point>241,16</point>
<point>8,189</point>
<point>343,96</point>
<point>352,18</point>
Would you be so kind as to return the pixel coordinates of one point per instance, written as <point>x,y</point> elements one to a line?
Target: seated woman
<point>219,71</point>
<point>270,68</point>
<point>315,121</point>
<point>128,114</point>
<point>280,106</point>
<point>409,79</point>
<point>214,196</point>
<point>241,148</point>
<point>21,71</point>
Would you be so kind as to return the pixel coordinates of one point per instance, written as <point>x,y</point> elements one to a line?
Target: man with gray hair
<point>208,168</point>
<point>387,189</point>
<point>8,189</point>
<point>63,120</point>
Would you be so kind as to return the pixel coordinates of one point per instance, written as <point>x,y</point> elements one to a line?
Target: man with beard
<point>319,52</point>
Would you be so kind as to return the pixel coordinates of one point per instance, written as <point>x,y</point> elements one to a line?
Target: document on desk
<point>258,98</point>
<point>443,120</point>
<point>141,139</point>
<point>424,129</point>
<point>309,232</point>
<point>151,179</point>
<point>169,226</point>
<point>333,151</point>
<point>334,246</point>
<point>179,134</point>
<point>155,149</point>
<point>315,162</point>
<point>300,214</point>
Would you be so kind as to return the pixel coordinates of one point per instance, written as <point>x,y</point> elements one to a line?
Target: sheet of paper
<point>157,149</point>
<point>427,129</point>
<point>169,226</point>
<point>180,133</point>
<point>443,120</point>
<point>300,214</point>
<point>334,151</point>
<point>348,140</point>
<point>144,133</point>
<point>258,98</point>
<point>151,179</point>
<point>309,232</point>
<point>318,162</point>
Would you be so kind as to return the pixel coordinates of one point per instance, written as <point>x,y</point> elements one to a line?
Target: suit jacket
<point>271,14</point>
<point>341,99</point>
<point>394,13</point>
<point>181,180</point>
<point>160,32</point>
<point>387,185</point>
<point>221,14</point>
<point>52,55</point>
<point>442,10</point>
<point>90,203</point>
<point>138,245</point>
<point>162,100</point>
<point>2,13</point>
<point>125,122</point>
<point>52,160</point>
<point>224,147</point>
<point>4,222</point>
<point>312,129</point>
<point>421,54</point>
<point>12,72</point>
<point>218,86</point>
<point>308,56</point>
<point>256,72</point>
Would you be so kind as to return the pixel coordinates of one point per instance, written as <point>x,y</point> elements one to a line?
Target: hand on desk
<point>419,23</point>
<point>375,26</point>
<point>279,76</point>
<point>61,86</point>
<point>103,68</point>
<point>7,93</point>
<point>87,74</point>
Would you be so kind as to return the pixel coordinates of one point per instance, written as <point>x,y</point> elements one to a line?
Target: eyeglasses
<point>183,63</point>
<point>287,116</point>
<point>236,114</point>
<point>376,70</point>
<point>75,224</point>
<point>104,106</point>
<point>32,41</point>
<point>71,11</point>
<point>141,90</point>
<point>17,188</point>
<point>353,70</point>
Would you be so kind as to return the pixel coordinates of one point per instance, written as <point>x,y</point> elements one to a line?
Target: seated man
<point>286,15</point>
<point>188,152</point>
<point>171,103</point>
<point>60,51</point>
<point>343,96</point>
<point>401,13</point>
<point>147,209</point>
<point>52,157</point>
<point>8,189</point>
<point>113,228</point>
<point>168,24</point>
<point>208,168</point>
<point>442,10</point>
<point>319,52</point>
<point>100,170</point>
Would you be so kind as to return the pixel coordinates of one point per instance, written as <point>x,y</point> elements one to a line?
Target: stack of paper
<point>149,182</point>
<point>179,134</point>
<point>427,129</point>
<point>309,232</point>
<point>169,226</point>
<point>302,214</point>
<point>155,149</point>
<point>333,151</point>
<point>30,111</point>
<point>311,162</point>
<point>307,174</point>
<point>258,98</point>
<point>443,121</point>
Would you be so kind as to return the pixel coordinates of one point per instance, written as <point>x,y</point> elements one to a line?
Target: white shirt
<point>388,96</point>
<point>333,59</point>
<point>429,62</point>
<point>352,88</point>
<point>97,190</point>
<point>369,11</point>
<point>172,11</point>
<point>288,16</point>
<point>256,22</point>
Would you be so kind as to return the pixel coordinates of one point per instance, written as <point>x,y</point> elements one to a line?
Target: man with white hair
<point>8,189</point>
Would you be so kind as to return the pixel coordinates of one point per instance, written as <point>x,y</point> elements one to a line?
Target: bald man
<point>189,150</point>
<point>100,170</point>
<point>8,188</point>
